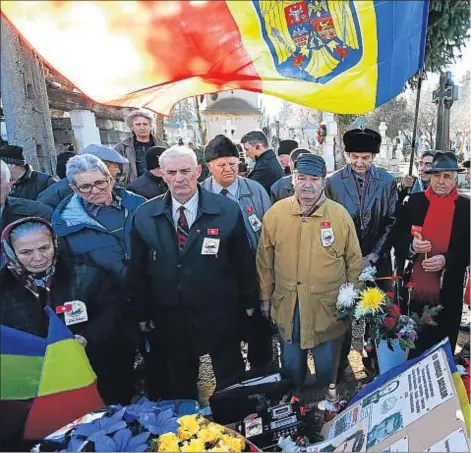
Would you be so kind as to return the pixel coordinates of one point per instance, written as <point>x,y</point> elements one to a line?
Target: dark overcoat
<point>457,259</point>
<point>375,224</point>
<point>267,170</point>
<point>194,300</point>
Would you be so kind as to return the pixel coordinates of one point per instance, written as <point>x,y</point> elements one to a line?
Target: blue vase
<point>388,359</point>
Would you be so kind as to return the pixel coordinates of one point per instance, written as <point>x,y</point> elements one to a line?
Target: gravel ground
<point>354,378</point>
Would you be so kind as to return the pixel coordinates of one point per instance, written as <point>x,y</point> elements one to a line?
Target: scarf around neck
<point>436,229</point>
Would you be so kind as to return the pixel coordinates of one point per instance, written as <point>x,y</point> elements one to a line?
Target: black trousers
<point>173,372</point>
<point>258,333</point>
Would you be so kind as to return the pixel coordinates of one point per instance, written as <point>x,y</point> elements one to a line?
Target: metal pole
<point>416,123</point>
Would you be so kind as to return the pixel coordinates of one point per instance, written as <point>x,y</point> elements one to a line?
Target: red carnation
<point>389,323</point>
<point>411,285</point>
<point>390,294</point>
<point>429,319</point>
<point>395,278</point>
<point>394,310</point>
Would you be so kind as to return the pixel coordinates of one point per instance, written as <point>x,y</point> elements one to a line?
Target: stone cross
<point>444,96</point>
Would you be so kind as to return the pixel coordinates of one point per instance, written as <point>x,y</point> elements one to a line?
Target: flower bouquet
<point>144,426</point>
<point>381,313</point>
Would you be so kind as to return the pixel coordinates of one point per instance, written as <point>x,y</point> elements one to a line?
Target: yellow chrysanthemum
<point>183,434</point>
<point>234,443</point>
<point>168,443</point>
<point>189,423</point>
<point>371,300</point>
<point>216,427</point>
<point>193,445</point>
<point>209,435</point>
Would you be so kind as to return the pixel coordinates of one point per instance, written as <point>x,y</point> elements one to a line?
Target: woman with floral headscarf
<point>35,276</point>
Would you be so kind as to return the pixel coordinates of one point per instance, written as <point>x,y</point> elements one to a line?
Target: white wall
<point>243,124</point>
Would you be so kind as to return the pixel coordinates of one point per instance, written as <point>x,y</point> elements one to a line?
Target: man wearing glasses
<point>411,184</point>
<point>95,219</point>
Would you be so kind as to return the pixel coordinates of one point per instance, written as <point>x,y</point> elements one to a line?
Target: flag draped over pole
<point>342,56</point>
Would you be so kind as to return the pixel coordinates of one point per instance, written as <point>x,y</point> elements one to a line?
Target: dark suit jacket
<point>267,170</point>
<point>19,208</point>
<point>194,300</point>
<point>457,257</point>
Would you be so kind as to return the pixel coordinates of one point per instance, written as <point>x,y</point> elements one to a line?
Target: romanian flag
<point>45,383</point>
<point>342,56</point>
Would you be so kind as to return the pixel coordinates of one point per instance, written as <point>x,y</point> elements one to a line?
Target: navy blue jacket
<point>194,300</point>
<point>90,241</point>
<point>54,194</point>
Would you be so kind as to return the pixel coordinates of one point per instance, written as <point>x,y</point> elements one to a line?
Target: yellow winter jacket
<point>295,263</point>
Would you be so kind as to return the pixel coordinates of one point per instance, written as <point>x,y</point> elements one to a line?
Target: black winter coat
<point>148,185</point>
<point>21,310</point>
<point>55,193</point>
<point>267,170</point>
<point>457,259</point>
<point>19,208</point>
<point>194,300</point>
<point>31,184</point>
<point>374,228</point>
<point>283,188</point>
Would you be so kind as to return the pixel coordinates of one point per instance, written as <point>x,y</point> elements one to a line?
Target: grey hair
<point>27,228</point>
<point>133,115</point>
<point>178,151</point>
<point>84,163</point>
<point>4,172</point>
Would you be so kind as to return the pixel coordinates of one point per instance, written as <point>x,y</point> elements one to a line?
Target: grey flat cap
<point>104,153</point>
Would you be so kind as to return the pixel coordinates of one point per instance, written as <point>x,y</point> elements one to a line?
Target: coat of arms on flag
<point>312,40</point>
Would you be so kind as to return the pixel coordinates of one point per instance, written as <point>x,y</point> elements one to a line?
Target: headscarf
<point>31,282</point>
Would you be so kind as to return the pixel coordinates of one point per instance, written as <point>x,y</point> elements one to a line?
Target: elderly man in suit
<point>192,275</point>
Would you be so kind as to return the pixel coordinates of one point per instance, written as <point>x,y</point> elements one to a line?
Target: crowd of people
<point>177,267</point>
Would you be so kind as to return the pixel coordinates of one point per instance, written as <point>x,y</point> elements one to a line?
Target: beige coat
<point>293,265</point>
<point>126,149</point>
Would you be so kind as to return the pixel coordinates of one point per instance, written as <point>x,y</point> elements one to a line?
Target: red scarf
<point>436,229</point>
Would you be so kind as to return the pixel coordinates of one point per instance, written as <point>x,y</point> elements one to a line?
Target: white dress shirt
<point>233,189</point>
<point>191,210</point>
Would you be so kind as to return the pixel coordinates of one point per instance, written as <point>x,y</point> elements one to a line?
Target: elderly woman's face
<point>34,250</point>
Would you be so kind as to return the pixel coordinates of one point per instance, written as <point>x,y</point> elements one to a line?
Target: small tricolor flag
<point>342,56</point>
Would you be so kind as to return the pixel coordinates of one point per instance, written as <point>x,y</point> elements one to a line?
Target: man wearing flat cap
<point>283,188</point>
<point>54,194</point>
<point>308,249</point>
<point>439,254</point>
<point>284,151</point>
<point>222,159</point>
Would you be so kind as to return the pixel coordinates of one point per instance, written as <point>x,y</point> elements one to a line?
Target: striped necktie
<point>182,228</point>
<point>224,192</point>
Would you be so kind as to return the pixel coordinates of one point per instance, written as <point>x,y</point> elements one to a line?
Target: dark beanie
<point>152,156</point>
<point>362,141</point>
<point>310,164</point>
<point>11,154</point>
<point>62,159</point>
<point>286,146</point>
<point>220,146</point>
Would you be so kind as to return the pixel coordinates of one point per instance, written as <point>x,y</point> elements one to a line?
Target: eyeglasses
<point>87,188</point>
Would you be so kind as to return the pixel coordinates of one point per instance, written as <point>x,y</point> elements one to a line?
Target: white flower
<point>347,296</point>
<point>368,274</point>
